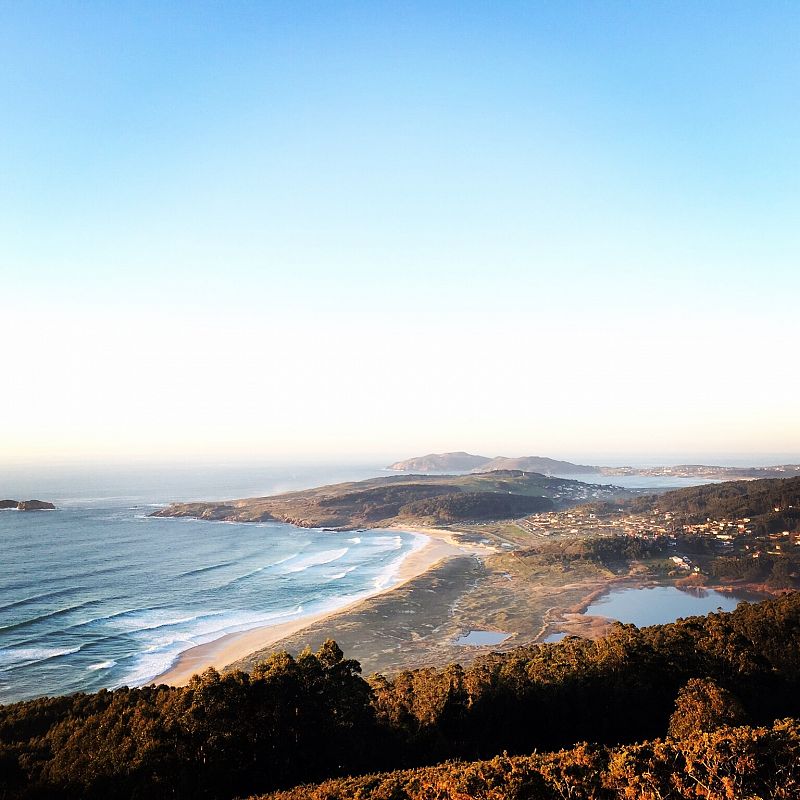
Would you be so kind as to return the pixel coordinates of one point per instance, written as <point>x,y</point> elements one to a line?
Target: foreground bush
<point>727,764</point>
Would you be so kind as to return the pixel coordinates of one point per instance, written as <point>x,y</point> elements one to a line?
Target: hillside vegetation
<point>466,462</point>
<point>772,504</point>
<point>417,499</point>
<point>441,462</point>
<point>305,719</point>
<point>547,466</point>
<point>725,763</point>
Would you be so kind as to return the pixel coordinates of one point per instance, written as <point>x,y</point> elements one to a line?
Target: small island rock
<point>27,505</point>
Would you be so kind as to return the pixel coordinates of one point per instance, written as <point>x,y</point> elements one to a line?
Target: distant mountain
<point>546,466</point>
<point>466,462</point>
<point>441,462</point>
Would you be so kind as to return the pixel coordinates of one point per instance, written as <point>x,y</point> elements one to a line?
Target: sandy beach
<point>440,545</point>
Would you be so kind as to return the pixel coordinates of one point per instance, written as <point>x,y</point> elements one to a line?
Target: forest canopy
<point>773,505</point>
<point>313,717</point>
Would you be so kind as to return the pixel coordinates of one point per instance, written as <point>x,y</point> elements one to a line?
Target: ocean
<point>97,594</point>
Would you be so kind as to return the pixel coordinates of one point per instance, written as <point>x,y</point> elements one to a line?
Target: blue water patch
<point>482,638</point>
<point>641,481</point>
<point>660,604</point>
<point>97,597</point>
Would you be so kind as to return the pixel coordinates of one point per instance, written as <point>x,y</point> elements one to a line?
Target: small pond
<point>660,604</point>
<point>482,638</point>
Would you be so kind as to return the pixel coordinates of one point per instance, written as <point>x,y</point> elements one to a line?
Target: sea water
<point>100,594</point>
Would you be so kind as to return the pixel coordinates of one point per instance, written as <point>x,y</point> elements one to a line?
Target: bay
<point>98,594</point>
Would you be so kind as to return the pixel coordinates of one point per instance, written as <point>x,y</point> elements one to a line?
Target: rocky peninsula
<point>413,500</point>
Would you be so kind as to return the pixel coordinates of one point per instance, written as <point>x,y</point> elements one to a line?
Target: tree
<point>703,705</point>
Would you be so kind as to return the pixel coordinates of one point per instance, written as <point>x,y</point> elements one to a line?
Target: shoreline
<point>241,649</point>
<point>440,545</point>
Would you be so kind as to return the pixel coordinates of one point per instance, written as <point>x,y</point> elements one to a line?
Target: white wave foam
<point>94,620</point>
<point>136,622</point>
<point>101,665</point>
<point>148,667</point>
<point>340,575</point>
<point>315,560</point>
<point>385,543</point>
<point>284,560</point>
<point>47,615</point>
<point>15,656</point>
<point>163,651</point>
<point>241,577</point>
<point>390,575</point>
<point>157,635</point>
<point>200,570</point>
<point>47,595</point>
<point>255,571</point>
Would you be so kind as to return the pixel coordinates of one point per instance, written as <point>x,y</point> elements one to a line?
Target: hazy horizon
<point>383,460</point>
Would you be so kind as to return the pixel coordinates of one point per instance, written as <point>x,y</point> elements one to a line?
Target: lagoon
<point>482,638</point>
<point>660,604</point>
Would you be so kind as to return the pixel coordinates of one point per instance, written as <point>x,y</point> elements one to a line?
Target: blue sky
<point>575,203</point>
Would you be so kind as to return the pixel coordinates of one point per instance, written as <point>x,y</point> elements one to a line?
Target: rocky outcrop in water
<point>27,505</point>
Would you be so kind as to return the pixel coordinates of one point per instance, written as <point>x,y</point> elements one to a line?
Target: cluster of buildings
<point>733,534</point>
<point>739,531</point>
<point>576,491</point>
<point>580,520</point>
